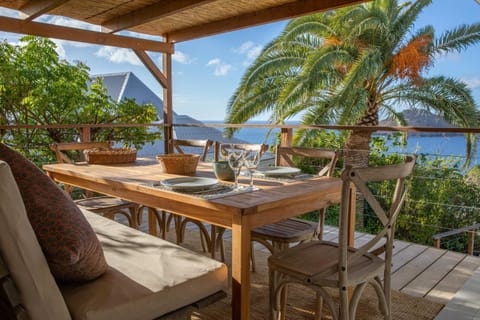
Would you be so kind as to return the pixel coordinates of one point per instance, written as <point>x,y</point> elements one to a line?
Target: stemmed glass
<point>252,159</point>
<point>235,158</point>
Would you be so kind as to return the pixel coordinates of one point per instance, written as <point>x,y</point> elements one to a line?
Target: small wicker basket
<point>110,156</point>
<point>184,164</point>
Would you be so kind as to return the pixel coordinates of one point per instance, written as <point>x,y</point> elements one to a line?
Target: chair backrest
<point>360,178</point>
<point>62,157</point>
<point>220,147</point>
<point>204,144</point>
<point>284,155</point>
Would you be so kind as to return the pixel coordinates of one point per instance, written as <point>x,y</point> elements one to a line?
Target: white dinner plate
<point>189,183</point>
<point>281,171</point>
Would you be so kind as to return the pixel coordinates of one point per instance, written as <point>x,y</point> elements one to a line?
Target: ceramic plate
<point>189,183</point>
<point>281,171</point>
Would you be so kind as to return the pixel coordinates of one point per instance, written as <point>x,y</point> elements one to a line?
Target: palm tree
<point>351,65</point>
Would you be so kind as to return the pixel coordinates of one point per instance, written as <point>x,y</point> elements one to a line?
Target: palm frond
<point>457,39</point>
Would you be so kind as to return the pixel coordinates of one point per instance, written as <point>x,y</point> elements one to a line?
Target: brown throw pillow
<point>69,243</point>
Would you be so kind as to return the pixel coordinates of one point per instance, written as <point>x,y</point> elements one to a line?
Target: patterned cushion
<point>69,243</point>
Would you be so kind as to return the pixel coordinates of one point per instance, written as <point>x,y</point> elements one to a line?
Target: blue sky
<point>207,71</point>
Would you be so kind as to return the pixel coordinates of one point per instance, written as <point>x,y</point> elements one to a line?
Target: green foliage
<point>38,88</point>
<point>441,196</point>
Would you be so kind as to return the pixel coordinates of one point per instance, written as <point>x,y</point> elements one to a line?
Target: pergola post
<point>167,102</point>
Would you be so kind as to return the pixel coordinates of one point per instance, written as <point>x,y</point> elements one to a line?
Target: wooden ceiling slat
<point>72,34</point>
<point>289,10</point>
<point>150,13</point>
<point>180,20</point>
<point>36,8</point>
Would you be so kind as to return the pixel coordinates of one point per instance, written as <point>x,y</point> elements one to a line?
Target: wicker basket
<point>184,164</point>
<point>110,156</point>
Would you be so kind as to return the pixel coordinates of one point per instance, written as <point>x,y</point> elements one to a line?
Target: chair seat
<point>289,230</point>
<point>100,204</point>
<point>317,260</point>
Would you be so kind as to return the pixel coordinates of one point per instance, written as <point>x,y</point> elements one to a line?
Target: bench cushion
<point>67,240</point>
<point>148,276</point>
<point>23,256</point>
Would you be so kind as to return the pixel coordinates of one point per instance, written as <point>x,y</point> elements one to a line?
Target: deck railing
<point>461,215</point>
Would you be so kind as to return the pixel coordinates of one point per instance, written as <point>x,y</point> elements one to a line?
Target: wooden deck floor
<point>418,270</point>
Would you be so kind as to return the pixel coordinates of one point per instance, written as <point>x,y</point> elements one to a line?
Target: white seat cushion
<point>148,276</point>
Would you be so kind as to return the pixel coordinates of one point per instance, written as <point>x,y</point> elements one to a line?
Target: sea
<point>451,146</point>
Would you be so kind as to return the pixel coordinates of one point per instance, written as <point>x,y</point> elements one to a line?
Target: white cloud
<point>181,57</point>
<point>118,55</point>
<point>9,13</point>
<point>250,49</point>
<point>71,23</point>
<point>221,68</point>
<point>60,51</point>
<point>472,83</point>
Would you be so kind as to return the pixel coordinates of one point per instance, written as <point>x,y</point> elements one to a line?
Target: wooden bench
<point>148,277</point>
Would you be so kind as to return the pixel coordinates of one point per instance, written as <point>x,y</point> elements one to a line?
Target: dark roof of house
<point>126,85</point>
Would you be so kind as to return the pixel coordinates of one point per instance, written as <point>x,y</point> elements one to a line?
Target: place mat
<point>219,190</point>
<point>298,177</point>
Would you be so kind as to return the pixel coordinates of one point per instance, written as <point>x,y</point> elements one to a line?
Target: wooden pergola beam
<point>36,8</point>
<point>152,67</point>
<point>152,12</point>
<point>73,34</point>
<point>286,11</point>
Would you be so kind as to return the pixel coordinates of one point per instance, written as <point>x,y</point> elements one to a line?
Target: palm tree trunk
<point>357,148</point>
<point>357,151</point>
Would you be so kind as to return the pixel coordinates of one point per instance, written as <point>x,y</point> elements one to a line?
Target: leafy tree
<point>38,88</point>
<point>351,65</point>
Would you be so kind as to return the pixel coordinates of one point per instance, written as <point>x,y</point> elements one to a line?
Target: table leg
<point>152,222</point>
<point>240,269</point>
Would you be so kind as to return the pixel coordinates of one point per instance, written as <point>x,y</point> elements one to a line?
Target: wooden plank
<point>428,279</point>
<point>404,256</point>
<point>87,36</point>
<point>250,19</point>
<point>35,9</point>
<point>409,271</point>
<point>444,291</point>
<point>150,13</point>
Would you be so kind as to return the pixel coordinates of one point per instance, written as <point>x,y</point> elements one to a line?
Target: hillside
<point>419,118</point>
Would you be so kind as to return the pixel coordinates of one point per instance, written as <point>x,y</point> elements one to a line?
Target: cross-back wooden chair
<point>104,205</point>
<point>278,236</point>
<point>322,264</point>
<point>220,148</point>
<point>181,146</point>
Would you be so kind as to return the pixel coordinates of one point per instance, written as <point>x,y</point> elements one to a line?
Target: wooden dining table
<point>275,200</point>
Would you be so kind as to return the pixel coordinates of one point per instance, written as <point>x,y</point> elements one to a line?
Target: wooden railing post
<point>436,243</point>
<point>471,241</point>
<point>286,136</point>
<point>85,134</point>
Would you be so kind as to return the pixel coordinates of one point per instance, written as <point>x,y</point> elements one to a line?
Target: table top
<point>133,182</point>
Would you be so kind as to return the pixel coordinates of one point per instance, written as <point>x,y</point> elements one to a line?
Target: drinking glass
<point>252,159</point>
<point>235,158</point>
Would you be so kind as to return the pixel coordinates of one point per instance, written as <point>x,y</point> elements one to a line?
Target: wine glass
<point>235,158</point>
<point>251,161</point>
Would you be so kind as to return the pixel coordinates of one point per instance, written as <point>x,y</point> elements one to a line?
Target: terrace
<point>419,270</point>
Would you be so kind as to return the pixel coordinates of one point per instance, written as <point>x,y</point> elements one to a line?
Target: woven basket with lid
<point>184,164</point>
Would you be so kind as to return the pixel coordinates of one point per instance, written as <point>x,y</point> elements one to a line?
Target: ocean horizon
<point>440,145</point>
